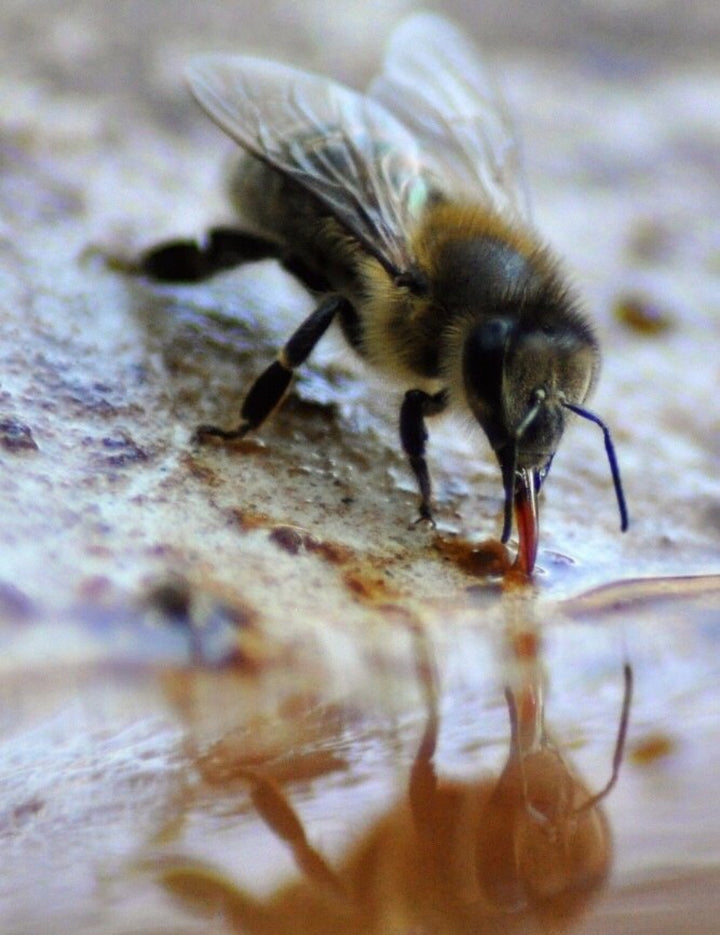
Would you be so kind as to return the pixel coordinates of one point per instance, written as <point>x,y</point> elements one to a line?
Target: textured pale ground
<point>303,657</point>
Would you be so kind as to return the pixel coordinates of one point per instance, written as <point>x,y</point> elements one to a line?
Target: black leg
<point>189,261</point>
<point>309,277</point>
<point>223,248</point>
<point>269,388</point>
<point>418,404</point>
<point>423,786</point>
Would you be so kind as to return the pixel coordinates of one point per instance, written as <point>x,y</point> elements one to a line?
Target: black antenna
<point>619,743</point>
<point>609,448</point>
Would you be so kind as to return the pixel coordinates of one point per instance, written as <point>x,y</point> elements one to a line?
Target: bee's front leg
<point>270,387</point>
<point>416,405</point>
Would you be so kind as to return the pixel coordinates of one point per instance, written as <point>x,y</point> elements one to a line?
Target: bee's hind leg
<point>270,387</point>
<point>416,405</point>
<point>192,261</point>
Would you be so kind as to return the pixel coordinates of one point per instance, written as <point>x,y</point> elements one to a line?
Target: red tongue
<point>526,518</point>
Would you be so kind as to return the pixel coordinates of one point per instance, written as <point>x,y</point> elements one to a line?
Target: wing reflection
<point>520,853</point>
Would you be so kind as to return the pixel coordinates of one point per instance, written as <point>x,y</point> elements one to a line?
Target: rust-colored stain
<point>366,585</point>
<point>651,748</point>
<point>365,577</point>
<point>249,519</point>
<point>643,315</point>
<point>294,539</point>
<point>481,560</point>
<point>199,469</point>
<point>516,578</point>
<point>332,552</point>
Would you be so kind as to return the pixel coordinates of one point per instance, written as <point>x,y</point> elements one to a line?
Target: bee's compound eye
<point>483,361</point>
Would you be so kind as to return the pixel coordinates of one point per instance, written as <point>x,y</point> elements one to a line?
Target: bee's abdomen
<point>311,243</point>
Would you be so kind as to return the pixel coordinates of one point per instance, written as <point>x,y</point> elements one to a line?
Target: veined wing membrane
<point>343,147</point>
<point>435,81</point>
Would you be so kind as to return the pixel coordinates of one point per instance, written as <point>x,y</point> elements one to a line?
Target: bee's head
<point>524,369</point>
<point>545,843</point>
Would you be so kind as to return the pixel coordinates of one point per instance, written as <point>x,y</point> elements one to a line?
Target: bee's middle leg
<point>416,405</point>
<point>270,387</point>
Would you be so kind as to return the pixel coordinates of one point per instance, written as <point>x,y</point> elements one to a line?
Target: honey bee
<point>404,209</point>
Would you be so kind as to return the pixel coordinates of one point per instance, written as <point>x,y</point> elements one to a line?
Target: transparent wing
<point>435,81</point>
<point>341,146</point>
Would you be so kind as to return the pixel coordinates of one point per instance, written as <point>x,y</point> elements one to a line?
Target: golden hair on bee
<point>404,210</point>
<point>448,221</point>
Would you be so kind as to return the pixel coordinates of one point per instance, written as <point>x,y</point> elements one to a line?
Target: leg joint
<point>301,343</point>
<point>418,404</point>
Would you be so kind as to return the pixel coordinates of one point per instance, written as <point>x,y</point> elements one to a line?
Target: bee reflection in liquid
<point>522,852</point>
